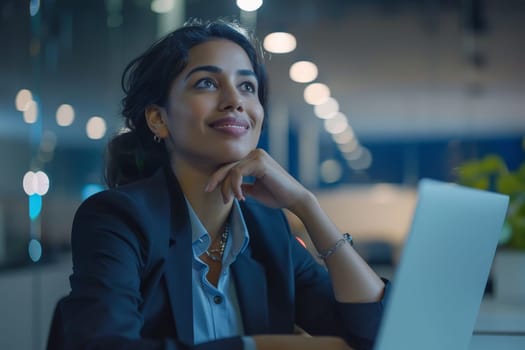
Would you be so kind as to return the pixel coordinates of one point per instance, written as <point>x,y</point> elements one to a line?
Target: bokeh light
<point>34,7</point>
<point>35,206</point>
<point>336,125</point>
<point>363,162</point>
<point>162,6</point>
<point>29,183</point>
<point>35,250</point>
<point>249,5</point>
<point>328,109</point>
<point>90,189</point>
<point>23,99</point>
<point>35,183</point>
<point>331,171</point>
<point>354,151</point>
<point>96,128</point>
<point>65,115</point>
<point>316,93</point>
<point>42,183</point>
<point>31,112</point>
<point>349,147</point>
<point>279,42</point>
<point>303,71</point>
<point>344,137</point>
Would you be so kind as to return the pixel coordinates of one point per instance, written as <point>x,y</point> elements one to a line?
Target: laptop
<point>440,279</point>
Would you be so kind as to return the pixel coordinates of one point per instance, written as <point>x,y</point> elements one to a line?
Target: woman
<point>180,253</point>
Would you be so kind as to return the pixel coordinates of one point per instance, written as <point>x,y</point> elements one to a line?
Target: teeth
<point>231,126</point>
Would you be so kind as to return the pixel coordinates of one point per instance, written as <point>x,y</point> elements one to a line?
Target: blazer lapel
<point>267,258</point>
<point>250,283</point>
<point>178,263</point>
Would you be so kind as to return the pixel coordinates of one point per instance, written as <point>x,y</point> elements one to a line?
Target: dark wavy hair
<point>133,155</point>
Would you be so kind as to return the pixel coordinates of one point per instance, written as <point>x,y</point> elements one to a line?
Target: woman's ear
<point>154,118</point>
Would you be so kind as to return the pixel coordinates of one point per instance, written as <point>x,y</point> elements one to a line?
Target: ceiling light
<point>363,162</point>
<point>22,99</point>
<point>331,171</point>
<point>316,93</point>
<point>162,6</point>
<point>279,42</point>
<point>303,72</point>
<point>96,128</point>
<point>34,250</point>
<point>35,183</point>
<point>65,115</point>
<point>345,136</point>
<point>354,154</point>
<point>34,7</point>
<point>249,5</point>
<point>336,125</point>
<point>350,147</point>
<point>31,113</point>
<point>328,109</point>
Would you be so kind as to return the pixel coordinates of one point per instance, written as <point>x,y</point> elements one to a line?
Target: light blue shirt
<point>216,311</point>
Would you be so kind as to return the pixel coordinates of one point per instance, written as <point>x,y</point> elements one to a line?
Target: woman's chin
<point>234,156</point>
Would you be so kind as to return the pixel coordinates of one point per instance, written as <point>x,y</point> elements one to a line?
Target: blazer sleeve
<point>319,313</point>
<point>110,250</point>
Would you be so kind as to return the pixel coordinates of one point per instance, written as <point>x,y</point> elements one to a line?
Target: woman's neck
<point>209,206</point>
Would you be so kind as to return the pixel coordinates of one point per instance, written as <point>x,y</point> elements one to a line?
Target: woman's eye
<point>248,86</point>
<point>205,83</point>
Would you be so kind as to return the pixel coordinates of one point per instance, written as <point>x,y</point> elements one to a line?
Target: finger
<point>218,176</point>
<point>226,188</point>
<point>235,178</point>
<point>232,184</point>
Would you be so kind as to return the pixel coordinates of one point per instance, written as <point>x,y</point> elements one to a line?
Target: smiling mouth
<point>228,126</point>
<point>231,126</point>
<point>231,123</point>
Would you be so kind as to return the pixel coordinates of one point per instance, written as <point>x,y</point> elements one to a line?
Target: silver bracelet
<point>346,238</point>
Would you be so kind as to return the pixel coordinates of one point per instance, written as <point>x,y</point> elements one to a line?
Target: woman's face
<point>213,113</point>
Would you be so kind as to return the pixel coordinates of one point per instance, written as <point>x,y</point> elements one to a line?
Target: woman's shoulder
<point>140,210</point>
<point>133,213</point>
<point>138,195</point>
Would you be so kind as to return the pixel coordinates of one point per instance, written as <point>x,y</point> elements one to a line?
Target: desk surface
<point>500,317</point>
<point>493,342</point>
<point>499,325</point>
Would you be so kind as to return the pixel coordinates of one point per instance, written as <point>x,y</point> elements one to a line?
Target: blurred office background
<point>386,92</point>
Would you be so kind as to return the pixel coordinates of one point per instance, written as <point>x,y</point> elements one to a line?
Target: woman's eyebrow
<point>246,72</point>
<point>215,69</point>
<point>211,69</point>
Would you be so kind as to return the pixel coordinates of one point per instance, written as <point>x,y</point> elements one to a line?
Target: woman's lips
<point>231,126</point>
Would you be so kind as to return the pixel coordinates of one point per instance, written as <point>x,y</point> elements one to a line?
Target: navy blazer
<point>131,284</point>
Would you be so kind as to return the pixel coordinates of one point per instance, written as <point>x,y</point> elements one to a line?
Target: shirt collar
<point>239,236</point>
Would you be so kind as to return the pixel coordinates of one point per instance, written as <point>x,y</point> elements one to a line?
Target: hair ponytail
<point>129,159</point>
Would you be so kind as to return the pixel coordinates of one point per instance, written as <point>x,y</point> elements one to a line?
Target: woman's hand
<point>299,342</point>
<point>273,186</point>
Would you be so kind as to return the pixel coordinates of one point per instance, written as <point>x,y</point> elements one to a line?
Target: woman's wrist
<point>304,206</point>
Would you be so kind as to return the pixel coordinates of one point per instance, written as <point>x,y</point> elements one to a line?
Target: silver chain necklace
<point>217,253</point>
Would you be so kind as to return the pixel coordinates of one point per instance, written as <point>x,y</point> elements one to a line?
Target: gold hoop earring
<point>156,138</point>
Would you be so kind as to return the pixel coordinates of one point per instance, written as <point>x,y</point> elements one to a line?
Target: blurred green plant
<point>491,173</point>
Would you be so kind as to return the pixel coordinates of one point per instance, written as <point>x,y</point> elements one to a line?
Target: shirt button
<point>217,299</point>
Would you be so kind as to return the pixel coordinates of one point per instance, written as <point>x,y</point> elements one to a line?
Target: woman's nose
<point>231,99</point>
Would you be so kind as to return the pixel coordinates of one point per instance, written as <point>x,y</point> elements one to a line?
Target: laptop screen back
<point>439,282</point>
